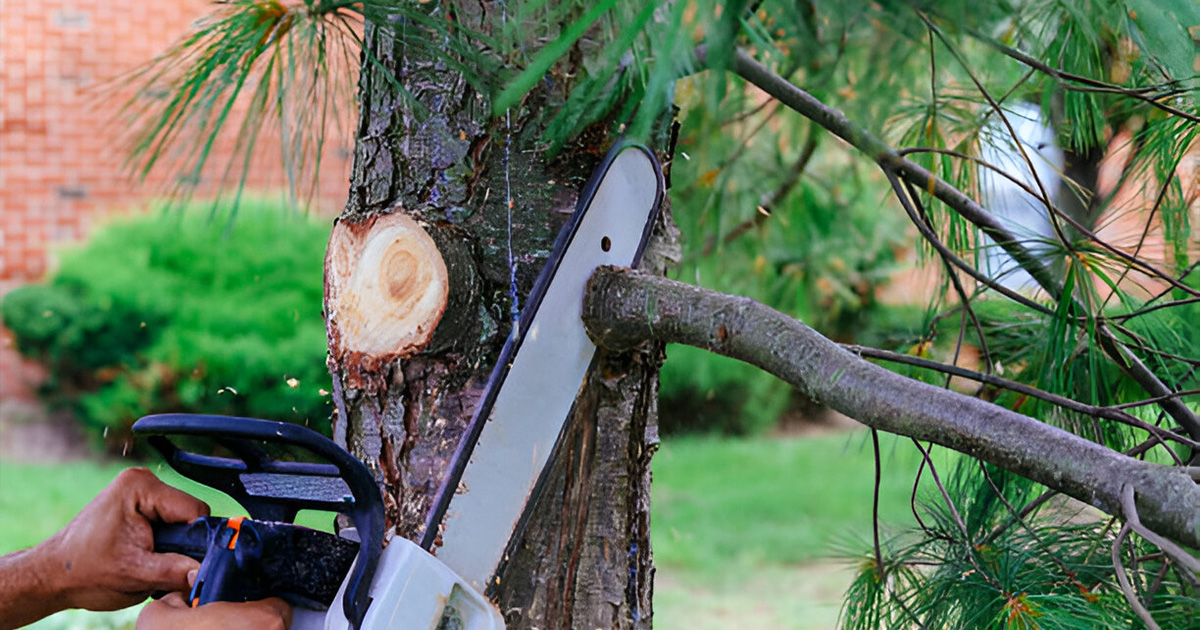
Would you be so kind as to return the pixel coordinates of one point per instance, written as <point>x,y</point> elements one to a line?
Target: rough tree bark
<point>585,559</point>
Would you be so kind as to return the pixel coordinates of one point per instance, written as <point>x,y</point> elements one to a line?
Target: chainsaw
<point>352,580</point>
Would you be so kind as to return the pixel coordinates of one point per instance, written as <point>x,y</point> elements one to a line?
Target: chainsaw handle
<point>217,543</point>
<point>243,559</point>
<point>219,580</point>
<point>188,539</point>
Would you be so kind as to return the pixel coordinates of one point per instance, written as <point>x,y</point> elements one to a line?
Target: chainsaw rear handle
<point>272,491</point>
<point>188,539</point>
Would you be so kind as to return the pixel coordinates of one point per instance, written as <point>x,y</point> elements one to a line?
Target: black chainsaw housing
<point>303,566</point>
<point>274,470</point>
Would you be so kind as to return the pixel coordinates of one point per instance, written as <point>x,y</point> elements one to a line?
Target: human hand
<point>104,558</point>
<point>173,613</point>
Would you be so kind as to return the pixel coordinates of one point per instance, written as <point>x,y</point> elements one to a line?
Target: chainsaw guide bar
<point>497,470</point>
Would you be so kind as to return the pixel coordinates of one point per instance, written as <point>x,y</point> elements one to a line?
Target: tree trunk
<point>584,560</point>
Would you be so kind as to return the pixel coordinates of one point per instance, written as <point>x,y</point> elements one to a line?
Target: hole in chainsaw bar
<point>606,243</point>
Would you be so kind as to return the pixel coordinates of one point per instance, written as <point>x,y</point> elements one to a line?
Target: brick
<point>58,136</point>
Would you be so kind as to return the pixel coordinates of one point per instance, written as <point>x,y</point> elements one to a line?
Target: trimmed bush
<point>188,311</point>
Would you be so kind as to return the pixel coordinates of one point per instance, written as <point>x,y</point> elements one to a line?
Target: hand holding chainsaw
<point>105,556</point>
<point>103,559</point>
<point>173,612</point>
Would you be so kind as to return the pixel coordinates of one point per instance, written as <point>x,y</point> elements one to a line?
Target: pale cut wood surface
<point>385,286</point>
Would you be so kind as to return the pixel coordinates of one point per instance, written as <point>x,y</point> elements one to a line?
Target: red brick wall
<point>60,151</point>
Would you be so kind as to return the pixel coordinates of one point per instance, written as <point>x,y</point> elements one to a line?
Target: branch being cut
<point>623,309</point>
<point>839,125</point>
<point>1096,411</point>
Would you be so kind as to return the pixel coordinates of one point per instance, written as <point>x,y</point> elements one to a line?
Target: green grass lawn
<point>759,533</point>
<point>743,530</point>
<point>756,501</point>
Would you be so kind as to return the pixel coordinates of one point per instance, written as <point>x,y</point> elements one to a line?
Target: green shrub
<point>704,392</point>
<point>70,333</point>
<point>194,312</point>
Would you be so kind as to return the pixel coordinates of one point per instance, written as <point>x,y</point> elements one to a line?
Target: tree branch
<point>1123,581</point>
<point>1095,411</point>
<point>836,123</point>
<point>1153,95</point>
<point>623,309</point>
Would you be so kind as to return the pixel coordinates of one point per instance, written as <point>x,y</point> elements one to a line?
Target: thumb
<point>163,613</point>
<point>174,600</point>
<point>168,571</point>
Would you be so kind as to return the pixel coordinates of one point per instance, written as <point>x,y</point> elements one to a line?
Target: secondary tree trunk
<point>401,405</point>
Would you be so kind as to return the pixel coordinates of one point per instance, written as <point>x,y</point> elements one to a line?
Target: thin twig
<point>1019,516</point>
<point>1033,533</point>
<point>1141,344</point>
<point>1123,581</point>
<point>1053,213</point>
<point>1181,557</point>
<point>937,480</point>
<point>958,288</point>
<point>1183,276</point>
<point>1130,260</point>
<point>1158,201</point>
<point>1157,583</point>
<point>1146,445</point>
<point>1150,309</point>
<point>912,502</point>
<point>951,257</point>
<point>967,543</point>
<point>880,569</point>
<point>1156,400</point>
<point>1093,84</point>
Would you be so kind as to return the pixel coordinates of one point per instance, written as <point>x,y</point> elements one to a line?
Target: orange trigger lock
<point>236,525</point>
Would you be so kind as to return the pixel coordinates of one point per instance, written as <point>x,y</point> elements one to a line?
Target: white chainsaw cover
<point>412,590</point>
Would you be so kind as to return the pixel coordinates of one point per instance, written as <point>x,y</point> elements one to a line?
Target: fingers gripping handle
<point>225,555</point>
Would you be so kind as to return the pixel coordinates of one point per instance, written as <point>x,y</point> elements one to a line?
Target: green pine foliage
<point>183,313</point>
